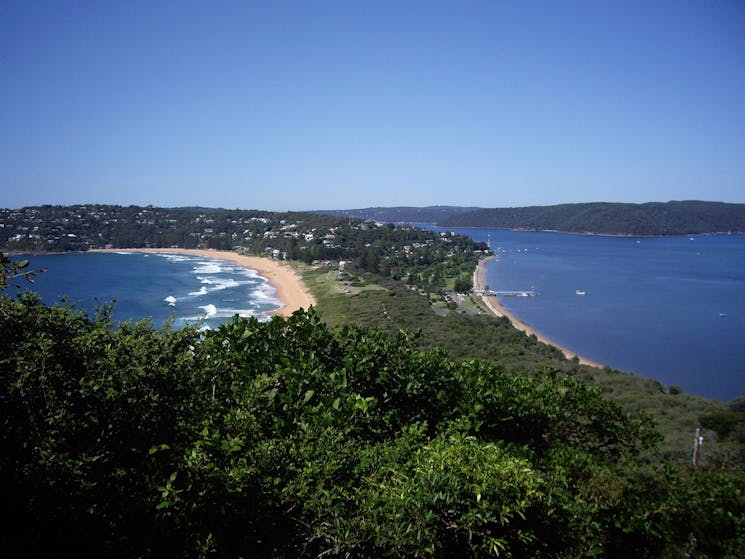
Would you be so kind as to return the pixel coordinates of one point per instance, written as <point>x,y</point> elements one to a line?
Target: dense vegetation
<point>82,227</point>
<point>654,218</point>
<point>470,331</point>
<point>289,438</point>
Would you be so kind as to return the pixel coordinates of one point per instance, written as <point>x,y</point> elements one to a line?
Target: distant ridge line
<point>687,217</point>
<point>402,214</point>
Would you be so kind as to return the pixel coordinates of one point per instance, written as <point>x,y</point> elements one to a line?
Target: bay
<point>667,308</point>
<point>187,289</point>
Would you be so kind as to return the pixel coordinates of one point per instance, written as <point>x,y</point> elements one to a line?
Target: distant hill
<point>654,218</point>
<point>402,214</point>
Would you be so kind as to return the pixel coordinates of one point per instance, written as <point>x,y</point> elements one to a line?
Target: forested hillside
<point>402,214</point>
<point>654,218</point>
<point>422,258</point>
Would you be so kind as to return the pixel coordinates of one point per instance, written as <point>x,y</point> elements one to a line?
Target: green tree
<point>15,269</point>
<point>463,284</point>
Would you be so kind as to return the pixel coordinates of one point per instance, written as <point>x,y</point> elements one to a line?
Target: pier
<point>529,293</point>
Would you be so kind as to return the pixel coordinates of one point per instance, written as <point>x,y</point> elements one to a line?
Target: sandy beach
<point>290,288</point>
<point>495,306</point>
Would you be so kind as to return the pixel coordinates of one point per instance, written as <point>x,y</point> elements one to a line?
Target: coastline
<point>592,233</point>
<point>496,307</point>
<point>290,288</point>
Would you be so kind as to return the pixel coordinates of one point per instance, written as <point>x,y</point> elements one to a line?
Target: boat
<point>722,315</point>
<point>581,292</point>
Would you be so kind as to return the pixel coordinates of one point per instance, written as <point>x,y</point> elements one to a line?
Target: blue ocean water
<point>185,288</point>
<point>668,308</point>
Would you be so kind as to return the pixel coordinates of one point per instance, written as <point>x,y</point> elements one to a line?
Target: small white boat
<point>580,292</point>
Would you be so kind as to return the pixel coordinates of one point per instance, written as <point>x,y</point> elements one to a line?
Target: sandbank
<point>290,287</point>
<point>496,307</point>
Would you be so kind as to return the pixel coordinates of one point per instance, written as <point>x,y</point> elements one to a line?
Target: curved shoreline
<point>291,290</point>
<point>496,307</point>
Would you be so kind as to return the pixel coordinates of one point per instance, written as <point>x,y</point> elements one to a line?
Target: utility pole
<point>698,440</point>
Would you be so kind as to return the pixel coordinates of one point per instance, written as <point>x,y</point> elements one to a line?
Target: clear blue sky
<point>313,104</point>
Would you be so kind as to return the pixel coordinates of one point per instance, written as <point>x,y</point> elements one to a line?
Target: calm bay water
<point>156,285</point>
<point>668,308</point>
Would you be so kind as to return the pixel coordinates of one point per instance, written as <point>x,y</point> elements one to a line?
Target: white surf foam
<point>265,293</point>
<point>228,313</point>
<point>208,267</point>
<point>218,284</point>
<point>202,291</point>
<point>209,310</point>
<point>248,272</point>
<point>213,313</point>
<point>173,257</point>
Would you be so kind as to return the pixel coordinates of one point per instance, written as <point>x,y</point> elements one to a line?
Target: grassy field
<point>392,307</point>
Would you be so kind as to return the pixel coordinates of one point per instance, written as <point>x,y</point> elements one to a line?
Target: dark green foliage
<point>737,405</point>
<point>463,283</point>
<point>288,438</point>
<point>723,423</point>
<point>671,512</point>
<point>12,270</point>
<point>654,218</point>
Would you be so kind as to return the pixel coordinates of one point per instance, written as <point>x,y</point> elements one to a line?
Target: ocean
<point>184,288</point>
<point>667,308</point>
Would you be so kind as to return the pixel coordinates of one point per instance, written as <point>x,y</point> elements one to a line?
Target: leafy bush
<point>288,438</point>
<point>723,423</point>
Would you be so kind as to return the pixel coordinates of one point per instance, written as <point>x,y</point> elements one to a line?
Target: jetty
<point>492,293</point>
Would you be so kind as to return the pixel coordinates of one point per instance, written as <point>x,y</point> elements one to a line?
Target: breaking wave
<point>202,291</point>
<point>173,257</point>
<point>208,267</point>
<point>209,310</point>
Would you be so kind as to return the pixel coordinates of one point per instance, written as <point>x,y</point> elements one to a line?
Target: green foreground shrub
<point>288,438</point>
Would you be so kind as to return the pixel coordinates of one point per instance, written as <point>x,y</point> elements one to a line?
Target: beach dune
<point>290,287</point>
